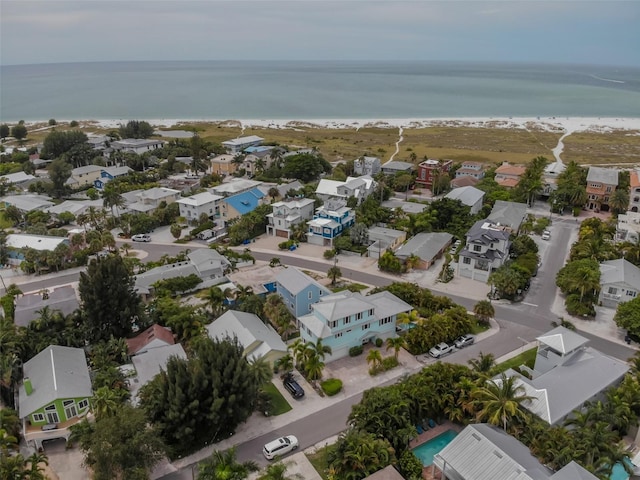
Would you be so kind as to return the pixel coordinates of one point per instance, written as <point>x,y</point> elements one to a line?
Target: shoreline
<point>553,124</point>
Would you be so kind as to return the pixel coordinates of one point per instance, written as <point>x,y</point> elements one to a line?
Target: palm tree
<point>484,364</point>
<point>396,343</point>
<point>374,358</point>
<point>313,366</point>
<point>412,262</point>
<point>619,200</point>
<point>112,199</point>
<point>34,461</point>
<point>225,466</point>
<point>260,370</point>
<point>405,318</point>
<point>484,311</point>
<point>319,348</point>
<point>285,363</point>
<point>105,402</point>
<point>126,247</point>
<point>500,400</point>
<point>277,471</point>
<point>215,300</point>
<point>334,273</point>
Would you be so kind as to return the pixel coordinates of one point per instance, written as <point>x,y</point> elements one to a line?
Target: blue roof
<point>259,148</point>
<point>245,202</point>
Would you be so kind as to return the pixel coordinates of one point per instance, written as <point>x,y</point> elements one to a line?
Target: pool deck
<point>427,472</point>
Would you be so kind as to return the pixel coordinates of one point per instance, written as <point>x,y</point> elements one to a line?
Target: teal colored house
<point>299,291</point>
<point>329,221</point>
<point>54,394</point>
<point>347,319</point>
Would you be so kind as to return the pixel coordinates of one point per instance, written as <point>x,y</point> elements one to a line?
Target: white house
<point>27,203</point>
<point>206,202</point>
<point>358,187</point>
<point>288,213</point>
<point>239,144</point>
<point>628,227</point>
<point>487,248</point>
<point>619,282</point>
<point>136,145</point>
<point>469,196</point>
<point>366,166</point>
<point>149,200</point>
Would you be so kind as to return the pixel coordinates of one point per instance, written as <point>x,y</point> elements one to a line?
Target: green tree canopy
<point>59,173</point>
<point>305,167</point>
<point>628,316</point>
<point>136,129</point>
<point>59,142</point>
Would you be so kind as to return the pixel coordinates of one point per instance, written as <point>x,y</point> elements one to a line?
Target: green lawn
<point>4,222</point>
<point>527,358</point>
<point>319,461</point>
<point>278,403</point>
<point>478,327</point>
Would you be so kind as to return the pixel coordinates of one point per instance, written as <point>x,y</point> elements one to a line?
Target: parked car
<point>142,237</point>
<point>546,235</point>
<point>279,447</point>
<point>440,350</point>
<point>292,386</point>
<point>464,340</point>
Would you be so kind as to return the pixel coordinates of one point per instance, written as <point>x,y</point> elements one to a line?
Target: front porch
<point>34,435</point>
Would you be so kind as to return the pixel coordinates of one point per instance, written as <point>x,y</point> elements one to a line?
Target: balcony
<point>611,296</point>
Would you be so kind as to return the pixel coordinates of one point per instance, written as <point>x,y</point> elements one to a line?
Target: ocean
<point>220,90</point>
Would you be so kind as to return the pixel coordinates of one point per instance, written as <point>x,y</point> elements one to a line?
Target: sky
<point>583,32</point>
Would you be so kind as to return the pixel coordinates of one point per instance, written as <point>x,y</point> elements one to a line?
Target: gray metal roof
<point>466,195</point>
<point>387,473</point>
<point>61,299</point>
<point>400,166</point>
<point>425,245</point>
<point>408,207</point>
<point>607,176</point>
<point>55,373</point>
<point>573,471</point>
<point>294,281</point>
<point>164,272</point>
<point>149,363</point>
<point>485,232</point>
<point>484,452</point>
<point>334,307</point>
<point>620,271</point>
<point>510,214</point>
<point>563,340</point>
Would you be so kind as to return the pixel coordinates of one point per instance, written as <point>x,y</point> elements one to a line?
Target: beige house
<point>83,176</point>
<point>223,165</point>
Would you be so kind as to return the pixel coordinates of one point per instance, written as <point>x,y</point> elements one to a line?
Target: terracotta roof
<point>464,181</point>
<point>511,169</point>
<point>508,182</point>
<point>634,179</point>
<point>138,342</point>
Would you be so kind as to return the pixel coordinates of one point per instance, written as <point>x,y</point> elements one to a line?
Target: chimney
<point>27,385</point>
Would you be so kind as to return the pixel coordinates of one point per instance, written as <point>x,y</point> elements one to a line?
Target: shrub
<point>331,386</point>
<point>74,123</point>
<point>389,362</point>
<point>580,308</point>
<point>379,342</point>
<point>329,254</point>
<point>410,466</point>
<point>355,351</point>
<point>286,245</point>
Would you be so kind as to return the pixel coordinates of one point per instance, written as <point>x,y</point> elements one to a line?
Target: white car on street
<point>142,237</point>
<point>280,447</point>
<point>441,349</point>
<point>546,235</point>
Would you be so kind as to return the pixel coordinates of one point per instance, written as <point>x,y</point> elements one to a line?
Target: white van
<point>279,447</point>
<point>205,234</point>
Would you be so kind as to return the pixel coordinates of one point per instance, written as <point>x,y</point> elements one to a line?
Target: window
<point>365,326</point>
<point>320,292</point>
<point>384,321</point>
<point>608,190</point>
<point>337,335</point>
<point>477,248</point>
<point>82,404</point>
<point>631,293</point>
<point>347,320</point>
<point>371,312</point>
<point>466,261</point>
<point>359,316</point>
<point>70,408</point>
<point>309,295</point>
<point>613,290</point>
<point>333,324</point>
<point>37,417</point>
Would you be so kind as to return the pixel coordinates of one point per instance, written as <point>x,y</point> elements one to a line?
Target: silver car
<point>464,340</point>
<point>440,350</point>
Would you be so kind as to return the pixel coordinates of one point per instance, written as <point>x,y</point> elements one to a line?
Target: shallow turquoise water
<point>618,473</point>
<point>426,451</point>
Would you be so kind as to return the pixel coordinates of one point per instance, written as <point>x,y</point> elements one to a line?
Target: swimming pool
<point>619,473</point>
<point>427,450</point>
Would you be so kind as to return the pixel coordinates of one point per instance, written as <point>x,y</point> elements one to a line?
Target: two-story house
<point>471,169</point>
<point>329,221</point>
<point>288,213</point>
<point>634,190</point>
<point>619,282</point>
<point>508,176</point>
<point>109,173</point>
<point>54,394</point>
<point>224,165</point>
<point>136,145</point>
<point>83,176</point>
<point>237,205</point>
<point>237,145</point>
<point>628,227</point>
<point>235,186</point>
<point>430,169</point>
<point>601,183</point>
<point>299,291</point>
<point>366,166</point>
<point>147,201</point>
<point>358,187</point>
<point>487,248</point>
<point>194,206</point>
<point>508,214</point>
<point>393,167</point>
<point>347,319</point>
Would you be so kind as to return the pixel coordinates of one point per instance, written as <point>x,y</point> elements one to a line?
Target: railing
<point>611,296</point>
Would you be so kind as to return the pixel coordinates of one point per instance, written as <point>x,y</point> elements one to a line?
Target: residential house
<point>224,165</point>
<point>83,176</point>
<point>98,142</point>
<point>288,213</point>
<point>469,196</point>
<point>153,337</point>
<point>136,145</point>
<point>628,227</point>
<point>260,278</point>
<point>27,203</point>
<point>387,473</point>
<point>17,179</point>
<point>240,204</point>
<point>463,182</point>
<point>406,207</point>
<point>508,175</point>
<point>29,307</point>
<point>16,242</point>
<point>619,282</point>
<point>601,183</point>
<point>428,247</point>
<point>430,169</point>
<point>283,189</point>
<point>634,190</point>
<point>235,186</point>
<point>258,339</point>
<point>147,201</point>
<point>206,263</point>
<point>393,167</point>
<point>508,214</point>
<point>485,452</point>
<point>382,239</point>
<point>54,393</point>
<point>487,248</point>
<point>328,223</point>
<point>566,375</point>
<point>237,145</point>
<point>550,177</point>
<point>299,291</point>
<point>147,364</point>
<point>347,319</point>
<point>109,173</point>
<point>357,187</point>
<point>367,166</point>
<point>194,206</point>
<point>76,207</point>
<point>471,169</point>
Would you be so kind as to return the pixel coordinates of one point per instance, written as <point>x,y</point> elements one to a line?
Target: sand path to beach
<point>560,147</point>
<point>397,144</point>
